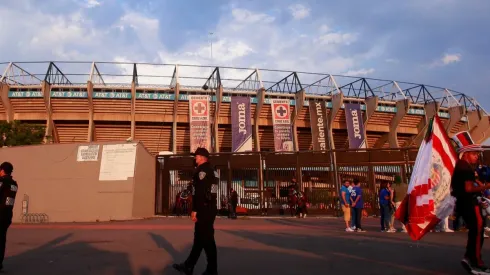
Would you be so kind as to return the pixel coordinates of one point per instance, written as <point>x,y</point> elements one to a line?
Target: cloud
<point>299,11</point>
<point>447,59</point>
<point>245,17</point>
<point>92,3</point>
<point>451,58</point>
<point>392,60</point>
<point>360,72</point>
<point>337,38</point>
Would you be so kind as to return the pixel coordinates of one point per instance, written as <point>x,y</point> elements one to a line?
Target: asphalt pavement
<point>245,246</point>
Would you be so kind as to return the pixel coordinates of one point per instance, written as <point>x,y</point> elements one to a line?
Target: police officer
<point>204,210</point>
<point>8,191</point>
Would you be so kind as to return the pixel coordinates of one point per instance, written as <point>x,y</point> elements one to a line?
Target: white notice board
<point>88,153</point>
<point>117,162</point>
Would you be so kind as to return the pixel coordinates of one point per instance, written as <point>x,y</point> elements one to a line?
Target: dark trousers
<point>302,209</point>
<point>474,223</point>
<point>356,217</point>
<point>233,210</point>
<point>204,239</point>
<point>386,213</point>
<point>4,226</point>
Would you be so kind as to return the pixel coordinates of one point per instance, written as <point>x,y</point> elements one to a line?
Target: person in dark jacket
<point>8,192</point>
<point>204,210</point>
<point>233,203</point>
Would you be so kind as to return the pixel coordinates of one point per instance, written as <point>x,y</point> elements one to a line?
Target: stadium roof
<point>164,76</point>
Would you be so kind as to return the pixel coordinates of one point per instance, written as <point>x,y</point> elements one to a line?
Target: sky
<point>444,43</point>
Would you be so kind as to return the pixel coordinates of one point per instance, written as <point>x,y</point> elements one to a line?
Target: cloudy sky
<point>440,42</point>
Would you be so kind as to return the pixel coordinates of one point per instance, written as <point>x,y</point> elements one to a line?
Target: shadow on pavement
<point>374,233</point>
<point>363,256</point>
<point>71,258</point>
<point>237,261</point>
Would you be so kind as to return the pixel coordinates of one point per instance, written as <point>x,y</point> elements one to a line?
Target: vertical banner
<point>281,120</point>
<point>355,125</point>
<point>200,130</point>
<point>241,124</point>
<point>318,124</point>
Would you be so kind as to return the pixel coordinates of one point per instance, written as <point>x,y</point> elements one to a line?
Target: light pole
<point>211,42</point>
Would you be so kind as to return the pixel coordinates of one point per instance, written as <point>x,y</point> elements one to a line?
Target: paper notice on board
<point>88,153</point>
<point>117,162</point>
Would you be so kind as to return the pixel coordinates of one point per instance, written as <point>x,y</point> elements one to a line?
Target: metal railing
<point>261,179</point>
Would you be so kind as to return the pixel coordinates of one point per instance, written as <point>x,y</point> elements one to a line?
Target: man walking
<point>466,192</point>
<point>8,192</point>
<point>357,205</point>
<point>345,204</point>
<point>204,209</point>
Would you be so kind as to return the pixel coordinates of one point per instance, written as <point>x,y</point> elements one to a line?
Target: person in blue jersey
<point>357,203</point>
<point>385,207</point>
<point>345,204</point>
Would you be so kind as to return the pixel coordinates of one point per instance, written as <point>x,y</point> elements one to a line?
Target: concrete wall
<point>67,191</point>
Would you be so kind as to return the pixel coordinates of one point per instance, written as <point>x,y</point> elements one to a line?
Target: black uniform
<point>8,192</point>
<point>204,203</point>
<point>468,207</point>
<point>234,203</point>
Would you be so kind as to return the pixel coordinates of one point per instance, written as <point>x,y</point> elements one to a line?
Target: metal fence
<point>261,179</point>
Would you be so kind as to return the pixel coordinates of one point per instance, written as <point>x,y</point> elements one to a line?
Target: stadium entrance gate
<point>261,179</point>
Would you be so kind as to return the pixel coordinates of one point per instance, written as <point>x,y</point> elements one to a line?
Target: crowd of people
<point>390,196</point>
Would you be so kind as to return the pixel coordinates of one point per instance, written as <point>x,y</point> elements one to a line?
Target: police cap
<point>201,152</point>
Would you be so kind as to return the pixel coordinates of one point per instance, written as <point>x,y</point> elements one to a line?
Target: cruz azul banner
<point>200,129</point>
<point>241,124</point>
<point>281,120</point>
<point>355,125</point>
<point>318,123</point>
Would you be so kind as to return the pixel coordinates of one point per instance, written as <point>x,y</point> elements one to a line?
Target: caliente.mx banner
<point>318,123</point>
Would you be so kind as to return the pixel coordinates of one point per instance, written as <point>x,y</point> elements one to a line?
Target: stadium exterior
<point>91,101</point>
<point>82,102</point>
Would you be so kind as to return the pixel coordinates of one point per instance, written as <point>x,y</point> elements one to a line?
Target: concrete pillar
<point>456,113</point>
<point>473,119</point>
<point>174,123</point>
<point>300,103</point>
<point>219,98</point>
<point>133,109</point>
<point>258,109</point>
<point>483,135</point>
<point>431,109</point>
<point>371,105</point>
<point>4,94</point>
<point>50,127</point>
<point>90,92</point>
<point>478,132</point>
<point>402,107</point>
<point>337,101</point>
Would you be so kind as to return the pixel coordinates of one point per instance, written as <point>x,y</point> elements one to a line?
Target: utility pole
<point>211,42</point>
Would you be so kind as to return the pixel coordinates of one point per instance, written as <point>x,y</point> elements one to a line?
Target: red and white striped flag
<point>428,198</point>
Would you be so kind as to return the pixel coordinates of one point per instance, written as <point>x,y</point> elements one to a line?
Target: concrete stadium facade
<point>107,102</point>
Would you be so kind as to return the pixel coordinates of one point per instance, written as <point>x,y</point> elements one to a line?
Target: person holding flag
<point>467,191</point>
<point>444,179</point>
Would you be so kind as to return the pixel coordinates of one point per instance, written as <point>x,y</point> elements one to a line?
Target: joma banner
<point>200,130</point>
<point>318,123</point>
<point>281,120</point>
<point>355,125</point>
<point>241,124</point>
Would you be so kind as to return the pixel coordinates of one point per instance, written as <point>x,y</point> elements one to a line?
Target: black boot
<point>182,268</point>
<point>210,273</point>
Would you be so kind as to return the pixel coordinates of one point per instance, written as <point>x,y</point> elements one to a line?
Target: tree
<point>16,133</point>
